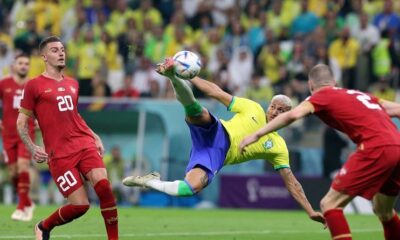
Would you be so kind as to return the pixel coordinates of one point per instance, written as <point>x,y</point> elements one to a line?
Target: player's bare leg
<point>25,202</point>
<point>384,209</point>
<point>78,205</point>
<point>108,206</point>
<point>332,206</point>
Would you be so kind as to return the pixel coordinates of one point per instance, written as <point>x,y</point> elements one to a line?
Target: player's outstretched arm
<point>38,153</point>
<point>391,108</point>
<point>212,90</point>
<point>279,122</point>
<point>296,190</point>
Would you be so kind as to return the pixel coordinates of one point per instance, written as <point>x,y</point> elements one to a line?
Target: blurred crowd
<point>251,48</point>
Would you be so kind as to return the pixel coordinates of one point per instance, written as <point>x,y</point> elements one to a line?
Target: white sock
<point>183,92</point>
<point>175,188</point>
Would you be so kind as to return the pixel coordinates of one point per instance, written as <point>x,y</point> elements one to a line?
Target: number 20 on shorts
<point>66,181</point>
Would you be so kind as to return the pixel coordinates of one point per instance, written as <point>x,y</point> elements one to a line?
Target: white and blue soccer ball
<point>187,64</point>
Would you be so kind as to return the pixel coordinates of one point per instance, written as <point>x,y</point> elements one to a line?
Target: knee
<point>325,204</point>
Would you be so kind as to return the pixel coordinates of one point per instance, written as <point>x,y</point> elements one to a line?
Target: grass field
<point>171,224</point>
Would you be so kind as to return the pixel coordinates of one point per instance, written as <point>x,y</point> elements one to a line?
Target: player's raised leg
<point>332,206</point>
<point>195,113</point>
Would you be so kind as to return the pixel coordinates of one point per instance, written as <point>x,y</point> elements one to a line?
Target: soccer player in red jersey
<point>72,149</point>
<point>373,170</point>
<point>16,156</point>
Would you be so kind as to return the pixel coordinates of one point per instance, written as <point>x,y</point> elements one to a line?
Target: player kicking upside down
<point>71,147</point>
<point>373,170</point>
<point>16,155</point>
<point>216,142</point>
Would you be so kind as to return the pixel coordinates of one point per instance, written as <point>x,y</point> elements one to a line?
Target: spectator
<point>387,19</point>
<point>115,71</point>
<point>127,90</point>
<point>115,166</point>
<point>259,89</point>
<point>272,60</point>
<point>146,11</point>
<point>90,58</point>
<point>6,59</point>
<point>345,50</point>
<point>99,86</point>
<point>306,22</point>
<point>240,70</point>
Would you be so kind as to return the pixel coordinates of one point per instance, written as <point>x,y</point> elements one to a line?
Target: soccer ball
<point>187,64</point>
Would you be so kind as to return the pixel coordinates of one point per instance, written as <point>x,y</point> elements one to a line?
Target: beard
<point>22,75</point>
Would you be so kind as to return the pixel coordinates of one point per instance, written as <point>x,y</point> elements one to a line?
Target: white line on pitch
<point>222,233</point>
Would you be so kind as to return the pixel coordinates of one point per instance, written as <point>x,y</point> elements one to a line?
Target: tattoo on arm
<point>23,131</point>
<point>296,190</point>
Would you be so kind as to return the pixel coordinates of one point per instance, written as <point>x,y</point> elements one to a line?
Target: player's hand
<point>1,125</point>
<point>100,146</point>
<point>318,217</point>
<point>39,155</point>
<point>247,141</point>
<point>166,68</point>
<point>36,124</point>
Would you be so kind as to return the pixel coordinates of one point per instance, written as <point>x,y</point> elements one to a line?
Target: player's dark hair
<point>48,40</point>
<point>20,55</point>
<point>321,75</point>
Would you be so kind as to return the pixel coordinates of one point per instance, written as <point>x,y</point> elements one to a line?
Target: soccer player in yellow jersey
<point>216,142</point>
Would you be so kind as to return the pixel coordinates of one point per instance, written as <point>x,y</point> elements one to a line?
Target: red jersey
<point>357,114</point>
<point>11,95</point>
<point>54,104</point>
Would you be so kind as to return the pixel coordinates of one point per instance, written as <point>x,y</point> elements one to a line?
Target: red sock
<point>108,208</point>
<point>337,224</point>
<point>392,228</point>
<point>63,215</point>
<point>23,190</point>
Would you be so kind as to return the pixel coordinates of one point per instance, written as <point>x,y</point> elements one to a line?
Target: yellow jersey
<point>250,117</point>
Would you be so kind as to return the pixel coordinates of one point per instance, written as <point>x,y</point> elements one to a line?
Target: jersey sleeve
<point>319,101</point>
<point>28,99</point>
<point>239,105</point>
<point>280,161</point>
<point>1,88</point>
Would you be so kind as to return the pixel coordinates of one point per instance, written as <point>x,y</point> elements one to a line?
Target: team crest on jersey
<point>47,90</point>
<point>8,90</point>
<point>61,89</point>
<point>73,89</point>
<point>268,144</point>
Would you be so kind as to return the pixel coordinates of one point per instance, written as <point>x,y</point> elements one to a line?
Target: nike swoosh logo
<point>254,119</point>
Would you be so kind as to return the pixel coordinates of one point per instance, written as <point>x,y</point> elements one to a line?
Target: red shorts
<point>66,172</point>
<point>370,171</point>
<point>14,148</point>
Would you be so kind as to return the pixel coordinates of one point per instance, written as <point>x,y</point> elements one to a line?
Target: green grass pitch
<point>174,224</point>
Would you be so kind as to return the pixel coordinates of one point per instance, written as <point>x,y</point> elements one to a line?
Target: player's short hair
<point>48,40</point>
<point>20,55</point>
<point>321,75</point>
<point>283,99</point>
